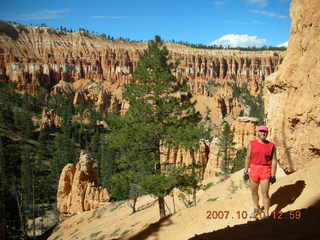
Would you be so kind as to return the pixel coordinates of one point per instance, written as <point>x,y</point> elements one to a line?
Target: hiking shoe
<point>256,211</point>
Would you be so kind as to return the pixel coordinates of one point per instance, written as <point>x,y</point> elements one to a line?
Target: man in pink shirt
<point>261,159</point>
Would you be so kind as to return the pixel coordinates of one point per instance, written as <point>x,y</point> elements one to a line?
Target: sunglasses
<point>263,131</point>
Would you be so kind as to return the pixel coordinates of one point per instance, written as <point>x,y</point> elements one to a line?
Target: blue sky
<point>233,22</point>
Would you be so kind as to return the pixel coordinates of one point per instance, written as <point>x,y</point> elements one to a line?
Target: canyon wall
<point>91,68</point>
<point>293,93</point>
<point>44,59</point>
<point>207,156</point>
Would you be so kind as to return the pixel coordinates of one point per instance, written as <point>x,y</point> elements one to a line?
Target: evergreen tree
<point>239,160</point>
<point>23,161</point>
<point>9,161</point>
<point>45,190</point>
<point>226,145</point>
<point>63,151</point>
<point>254,103</point>
<point>2,191</point>
<point>108,163</point>
<point>95,148</point>
<point>160,112</point>
<point>63,148</point>
<point>26,186</point>
<point>93,140</point>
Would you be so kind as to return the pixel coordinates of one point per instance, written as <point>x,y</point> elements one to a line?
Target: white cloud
<point>239,40</point>
<point>285,44</point>
<point>260,3</point>
<point>43,14</point>
<point>269,14</point>
<point>109,17</point>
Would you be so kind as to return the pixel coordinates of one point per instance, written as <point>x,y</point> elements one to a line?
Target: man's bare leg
<point>254,186</point>
<point>265,195</point>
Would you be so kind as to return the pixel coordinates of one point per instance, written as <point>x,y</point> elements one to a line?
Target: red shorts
<point>259,172</point>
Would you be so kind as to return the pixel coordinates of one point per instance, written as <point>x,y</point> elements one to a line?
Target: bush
<point>8,30</point>
<point>239,160</point>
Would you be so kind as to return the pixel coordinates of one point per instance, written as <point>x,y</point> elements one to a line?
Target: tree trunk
<point>162,209</point>
<point>20,210</point>
<point>33,205</point>
<point>174,205</point>
<point>133,205</point>
<point>194,192</point>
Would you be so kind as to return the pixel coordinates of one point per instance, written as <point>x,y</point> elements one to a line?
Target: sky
<point>227,22</point>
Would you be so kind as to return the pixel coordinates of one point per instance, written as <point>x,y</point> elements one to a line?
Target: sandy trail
<point>229,199</point>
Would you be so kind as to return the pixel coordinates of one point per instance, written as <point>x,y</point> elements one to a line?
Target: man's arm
<point>246,164</point>
<point>274,163</point>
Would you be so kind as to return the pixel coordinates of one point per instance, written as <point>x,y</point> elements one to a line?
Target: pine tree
<point>239,160</point>
<point>226,145</point>
<point>26,130</point>
<point>63,152</point>
<point>19,166</point>
<point>10,161</point>
<point>161,112</point>
<point>94,148</point>
<point>108,163</point>
<point>95,133</point>
<point>63,149</point>
<point>26,172</point>
<point>3,186</point>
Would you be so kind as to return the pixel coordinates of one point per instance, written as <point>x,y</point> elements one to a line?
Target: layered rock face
<point>293,92</point>
<point>179,157</point>
<point>208,153</point>
<point>244,129</point>
<point>43,59</point>
<point>78,190</point>
<point>92,69</point>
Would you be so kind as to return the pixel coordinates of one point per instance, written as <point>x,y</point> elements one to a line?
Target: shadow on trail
<point>152,229</point>
<point>287,194</point>
<point>43,236</point>
<point>299,224</point>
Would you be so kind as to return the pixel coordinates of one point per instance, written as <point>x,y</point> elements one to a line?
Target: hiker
<point>262,162</point>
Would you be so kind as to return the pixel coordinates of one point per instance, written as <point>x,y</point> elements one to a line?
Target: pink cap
<point>262,128</point>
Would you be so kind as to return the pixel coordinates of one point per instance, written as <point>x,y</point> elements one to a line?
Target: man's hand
<point>272,180</point>
<point>245,175</point>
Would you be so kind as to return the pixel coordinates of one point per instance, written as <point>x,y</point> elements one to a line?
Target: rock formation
<point>244,129</point>
<point>78,190</point>
<point>207,155</point>
<point>50,120</point>
<point>91,68</point>
<point>293,93</point>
